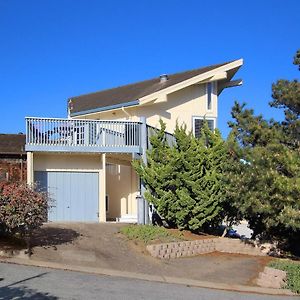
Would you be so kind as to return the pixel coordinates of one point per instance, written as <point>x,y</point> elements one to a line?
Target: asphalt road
<point>23,282</point>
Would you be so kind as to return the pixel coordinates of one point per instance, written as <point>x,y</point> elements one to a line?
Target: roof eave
<point>105,108</point>
<point>199,78</point>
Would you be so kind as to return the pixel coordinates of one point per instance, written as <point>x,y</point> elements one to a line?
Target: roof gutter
<point>105,108</point>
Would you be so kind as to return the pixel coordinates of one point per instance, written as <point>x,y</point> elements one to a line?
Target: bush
<point>184,181</point>
<point>22,209</point>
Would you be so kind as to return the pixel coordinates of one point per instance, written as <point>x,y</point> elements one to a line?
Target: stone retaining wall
<point>192,248</point>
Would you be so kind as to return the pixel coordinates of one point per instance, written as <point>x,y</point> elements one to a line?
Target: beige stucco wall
<point>181,105</point>
<point>59,161</point>
<point>75,162</point>
<point>121,181</point>
<point>121,188</point>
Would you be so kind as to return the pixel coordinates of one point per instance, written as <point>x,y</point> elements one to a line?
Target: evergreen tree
<point>264,180</point>
<point>158,174</point>
<point>286,95</point>
<point>184,182</point>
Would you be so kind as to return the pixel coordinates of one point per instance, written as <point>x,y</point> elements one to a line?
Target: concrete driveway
<point>101,245</point>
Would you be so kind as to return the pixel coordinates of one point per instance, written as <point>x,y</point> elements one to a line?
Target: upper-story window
<point>209,93</point>
<point>198,124</point>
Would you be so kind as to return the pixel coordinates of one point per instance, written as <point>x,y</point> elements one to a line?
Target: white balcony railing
<point>49,134</point>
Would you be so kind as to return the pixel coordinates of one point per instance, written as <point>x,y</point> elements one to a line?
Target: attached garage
<point>75,195</point>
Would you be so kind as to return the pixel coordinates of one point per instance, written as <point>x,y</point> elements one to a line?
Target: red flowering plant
<point>22,209</point>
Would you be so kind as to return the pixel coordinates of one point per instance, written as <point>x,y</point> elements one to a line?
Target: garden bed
<point>148,234</point>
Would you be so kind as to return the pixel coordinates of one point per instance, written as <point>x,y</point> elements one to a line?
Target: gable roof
<point>130,94</point>
<point>12,143</point>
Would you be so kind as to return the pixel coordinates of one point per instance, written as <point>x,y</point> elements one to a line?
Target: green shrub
<point>293,273</point>
<point>149,233</point>
<point>184,180</point>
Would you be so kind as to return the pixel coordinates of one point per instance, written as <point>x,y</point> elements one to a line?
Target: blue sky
<point>54,49</point>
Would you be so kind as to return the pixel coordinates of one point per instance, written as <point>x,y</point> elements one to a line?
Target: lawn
<point>151,234</point>
<point>292,269</point>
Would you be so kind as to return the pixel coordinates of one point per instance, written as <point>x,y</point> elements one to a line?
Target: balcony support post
<point>143,206</point>
<point>30,172</point>
<point>102,189</point>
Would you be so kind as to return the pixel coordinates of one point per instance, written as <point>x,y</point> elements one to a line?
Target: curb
<point>155,278</point>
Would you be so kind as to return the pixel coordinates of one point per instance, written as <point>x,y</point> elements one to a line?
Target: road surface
<point>23,282</point>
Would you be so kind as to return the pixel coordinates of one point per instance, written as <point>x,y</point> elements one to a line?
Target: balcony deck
<point>93,136</point>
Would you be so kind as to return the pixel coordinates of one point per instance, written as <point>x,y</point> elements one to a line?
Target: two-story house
<point>84,161</point>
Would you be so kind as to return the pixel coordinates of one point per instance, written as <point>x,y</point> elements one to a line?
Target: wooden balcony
<point>94,136</point>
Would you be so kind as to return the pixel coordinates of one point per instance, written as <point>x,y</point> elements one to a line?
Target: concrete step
<point>271,278</point>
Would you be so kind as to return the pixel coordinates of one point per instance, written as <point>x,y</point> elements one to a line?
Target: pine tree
<point>264,178</point>
<point>286,95</point>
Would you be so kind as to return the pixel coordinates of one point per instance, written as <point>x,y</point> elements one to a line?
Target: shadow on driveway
<point>53,236</point>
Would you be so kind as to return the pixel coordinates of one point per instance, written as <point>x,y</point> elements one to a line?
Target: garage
<point>75,195</point>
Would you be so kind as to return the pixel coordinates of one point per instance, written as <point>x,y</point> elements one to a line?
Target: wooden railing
<point>52,134</point>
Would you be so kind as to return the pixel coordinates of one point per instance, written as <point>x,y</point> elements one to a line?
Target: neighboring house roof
<point>130,94</point>
<point>12,143</point>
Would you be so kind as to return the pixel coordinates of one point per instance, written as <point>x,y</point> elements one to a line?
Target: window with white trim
<point>198,124</point>
<point>209,93</point>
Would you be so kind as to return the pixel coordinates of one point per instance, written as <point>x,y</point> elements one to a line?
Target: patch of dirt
<point>135,245</point>
<point>189,236</point>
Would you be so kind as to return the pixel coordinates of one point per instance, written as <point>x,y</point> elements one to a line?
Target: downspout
<point>69,108</point>
<point>126,112</point>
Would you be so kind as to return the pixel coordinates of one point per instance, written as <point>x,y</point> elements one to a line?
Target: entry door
<point>75,195</point>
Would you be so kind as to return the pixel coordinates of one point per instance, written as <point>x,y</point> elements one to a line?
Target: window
<point>209,92</point>
<point>198,124</point>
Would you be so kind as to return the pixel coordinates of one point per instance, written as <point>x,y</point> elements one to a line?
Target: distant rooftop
<point>12,143</point>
